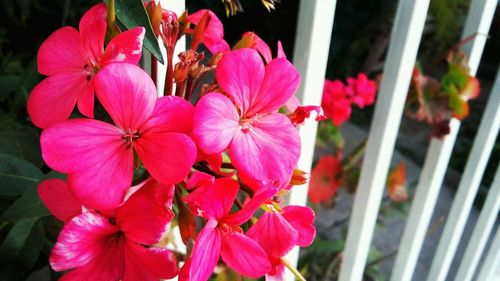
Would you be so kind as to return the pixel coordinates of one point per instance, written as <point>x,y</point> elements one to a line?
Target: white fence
<point>405,40</point>
<point>316,18</point>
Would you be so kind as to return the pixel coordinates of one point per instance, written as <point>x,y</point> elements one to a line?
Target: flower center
<point>90,70</point>
<point>246,125</point>
<point>130,137</point>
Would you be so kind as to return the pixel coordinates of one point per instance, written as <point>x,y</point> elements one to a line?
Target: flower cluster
<point>339,97</point>
<point>218,152</point>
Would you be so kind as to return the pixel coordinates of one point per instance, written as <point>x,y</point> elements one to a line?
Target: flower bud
<point>298,177</point>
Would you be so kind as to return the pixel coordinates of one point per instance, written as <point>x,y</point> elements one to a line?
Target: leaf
<point>17,175</point>
<point>132,13</point>
<point>321,246</point>
<point>20,141</point>
<point>459,106</point>
<point>29,205</point>
<point>8,84</point>
<point>23,242</point>
<point>29,79</point>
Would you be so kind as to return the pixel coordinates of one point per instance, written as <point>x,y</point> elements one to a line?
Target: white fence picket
<point>406,34</point>
<point>438,154</point>
<point>312,43</point>
<point>492,261</point>
<point>479,20</point>
<point>483,228</point>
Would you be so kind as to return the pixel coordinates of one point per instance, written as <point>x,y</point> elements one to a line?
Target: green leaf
<point>29,79</point>
<point>8,84</point>
<point>29,205</point>
<point>20,141</point>
<point>132,13</point>
<point>17,175</point>
<point>23,242</point>
<point>321,246</point>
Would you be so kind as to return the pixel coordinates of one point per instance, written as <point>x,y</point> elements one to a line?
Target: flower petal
<point>213,37</point>
<point>215,201</point>
<point>170,114</point>
<point>259,45</point>
<point>148,264</point>
<point>276,236</point>
<point>127,93</point>
<point>206,252</point>
<point>324,180</point>
<point>240,74</point>
<point>269,150</point>
<point>216,121</point>
<point>244,255</point>
<point>61,52</point>
<point>250,206</point>
<point>280,83</point>
<point>125,47</point>
<point>148,204</point>
<point>167,156</point>
<point>81,241</point>
<point>56,196</point>
<point>99,163</point>
<point>302,219</point>
<point>86,99</point>
<point>53,99</point>
<point>93,31</point>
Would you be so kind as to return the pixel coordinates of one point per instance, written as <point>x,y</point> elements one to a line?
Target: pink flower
<point>213,35</point>
<point>361,90</point>
<point>222,235</point>
<point>94,248</point>
<point>71,59</point>
<point>99,157</point>
<point>335,102</point>
<point>279,231</point>
<point>56,195</point>
<point>262,143</point>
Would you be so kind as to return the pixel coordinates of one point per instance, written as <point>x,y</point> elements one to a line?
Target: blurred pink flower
<point>335,102</point>
<point>361,91</point>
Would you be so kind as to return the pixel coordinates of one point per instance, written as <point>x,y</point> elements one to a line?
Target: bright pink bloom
<point>278,232</point>
<point>213,37</point>
<point>222,235</point>
<point>335,102</point>
<point>361,90</point>
<point>71,59</point>
<point>99,156</point>
<point>325,179</point>
<point>56,196</point>
<point>262,143</point>
<point>93,248</point>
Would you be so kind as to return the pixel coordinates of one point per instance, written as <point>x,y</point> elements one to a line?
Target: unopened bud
<point>298,177</point>
<point>155,15</point>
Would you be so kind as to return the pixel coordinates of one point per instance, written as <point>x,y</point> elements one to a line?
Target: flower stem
<point>292,269</point>
<point>110,20</point>
<point>169,79</point>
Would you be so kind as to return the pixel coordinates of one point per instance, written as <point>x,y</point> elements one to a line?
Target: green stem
<point>111,20</point>
<point>292,269</point>
<point>353,157</point>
